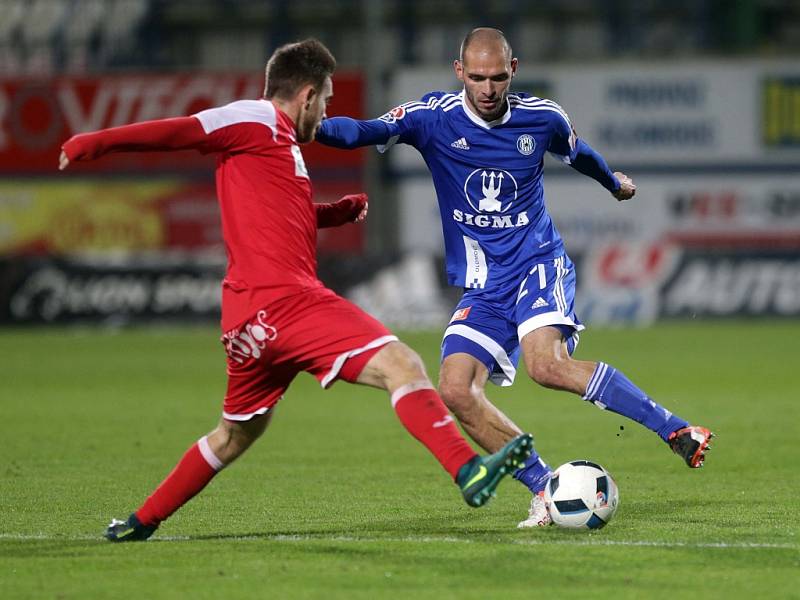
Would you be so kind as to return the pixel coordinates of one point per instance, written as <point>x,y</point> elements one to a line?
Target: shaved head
<point>485,39</point>
<point>486,67</point>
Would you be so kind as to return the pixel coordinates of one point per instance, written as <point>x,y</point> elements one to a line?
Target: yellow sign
<point>73,216</point>
<point>781,125</point>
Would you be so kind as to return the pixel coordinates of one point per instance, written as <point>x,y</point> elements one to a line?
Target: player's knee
<point>394,366</point>
<point>401,364</point>
<point>457,395</point>
<point>547,372</point>
<point>231,438</point>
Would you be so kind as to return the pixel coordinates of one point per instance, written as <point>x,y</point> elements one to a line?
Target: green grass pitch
<point>337,501</point>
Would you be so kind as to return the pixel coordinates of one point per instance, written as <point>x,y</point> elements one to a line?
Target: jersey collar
<point>479,121</point>
<point>279,112</point>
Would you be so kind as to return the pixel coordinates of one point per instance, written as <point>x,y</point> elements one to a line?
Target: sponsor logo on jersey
<point>394,115</point>
<point>526,144</point>
<point>491,221</point>
<point>461,144</point>
<point>491,191</point>
<point>461,314</point>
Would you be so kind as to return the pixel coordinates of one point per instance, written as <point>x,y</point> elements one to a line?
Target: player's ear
<point>308,94</point>
<point>513,66</point>
<point>458,67</point>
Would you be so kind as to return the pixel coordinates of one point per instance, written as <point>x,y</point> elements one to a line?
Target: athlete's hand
<point>347,209</point>
<point>63,161</point>
<point>627,189</point>
<point>363,214</point>
<point>357,205</point>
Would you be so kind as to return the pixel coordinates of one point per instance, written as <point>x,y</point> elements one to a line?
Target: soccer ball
<point>581,495</point>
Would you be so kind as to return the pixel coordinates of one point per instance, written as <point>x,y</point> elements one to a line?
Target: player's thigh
<point>257,378</point>
<point>316,331</point>
<point>245,432</point>
<point>332,338</point>
<point>547,359</point>
<point>483,330</point>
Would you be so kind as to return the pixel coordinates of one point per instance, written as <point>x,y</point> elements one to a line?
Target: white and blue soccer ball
<point>581,495</point>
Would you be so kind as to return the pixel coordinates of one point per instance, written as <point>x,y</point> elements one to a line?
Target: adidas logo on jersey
<point>540,302</point>
<point>461,144</point>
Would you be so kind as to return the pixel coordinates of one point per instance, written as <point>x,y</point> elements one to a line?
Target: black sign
<point>742,284</point>
<point>47,290</point>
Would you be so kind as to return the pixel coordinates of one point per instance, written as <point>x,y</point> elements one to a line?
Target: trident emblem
<point>489,202</point>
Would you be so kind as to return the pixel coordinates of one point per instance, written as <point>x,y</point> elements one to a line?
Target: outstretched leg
<point>201,462</point>
<point>549,364</point>
<point>399,370</point>
<point>462,384</point>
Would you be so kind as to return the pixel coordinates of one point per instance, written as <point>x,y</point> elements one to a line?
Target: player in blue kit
<point>485,149</point>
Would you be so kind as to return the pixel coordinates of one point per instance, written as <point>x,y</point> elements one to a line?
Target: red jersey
<point>269,221</point>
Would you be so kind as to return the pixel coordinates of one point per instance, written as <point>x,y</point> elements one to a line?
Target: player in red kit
<point>278,319</point>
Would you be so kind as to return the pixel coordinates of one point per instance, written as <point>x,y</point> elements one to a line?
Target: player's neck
<point>291,108</point>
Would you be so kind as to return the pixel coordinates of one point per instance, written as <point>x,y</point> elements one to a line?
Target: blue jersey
<point>488,179</point>
<point>500,242</point>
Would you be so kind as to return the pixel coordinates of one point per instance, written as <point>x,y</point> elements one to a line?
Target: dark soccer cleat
<point>479,478</point>
<point>691,443</point>
<point>128,531</point>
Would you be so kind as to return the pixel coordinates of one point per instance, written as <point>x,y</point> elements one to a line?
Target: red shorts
<point>316,331</point>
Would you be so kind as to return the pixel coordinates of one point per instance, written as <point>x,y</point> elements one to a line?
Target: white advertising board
<point>691,209</point>
<point>667,114</point>
<point>714,148</point>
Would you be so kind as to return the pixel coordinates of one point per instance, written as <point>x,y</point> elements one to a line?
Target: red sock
<point>425,417</point>
<point>197,467</point>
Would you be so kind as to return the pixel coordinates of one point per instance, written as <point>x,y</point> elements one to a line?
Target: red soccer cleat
<point>691,443</point>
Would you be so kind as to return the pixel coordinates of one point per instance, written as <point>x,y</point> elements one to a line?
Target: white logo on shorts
<point>241,345</point>
<point>540,303</point>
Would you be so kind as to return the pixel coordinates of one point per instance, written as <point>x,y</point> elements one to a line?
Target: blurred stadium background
<point>698,100</point>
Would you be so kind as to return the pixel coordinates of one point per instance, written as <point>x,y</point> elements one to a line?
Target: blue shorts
<point>489,323</point>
